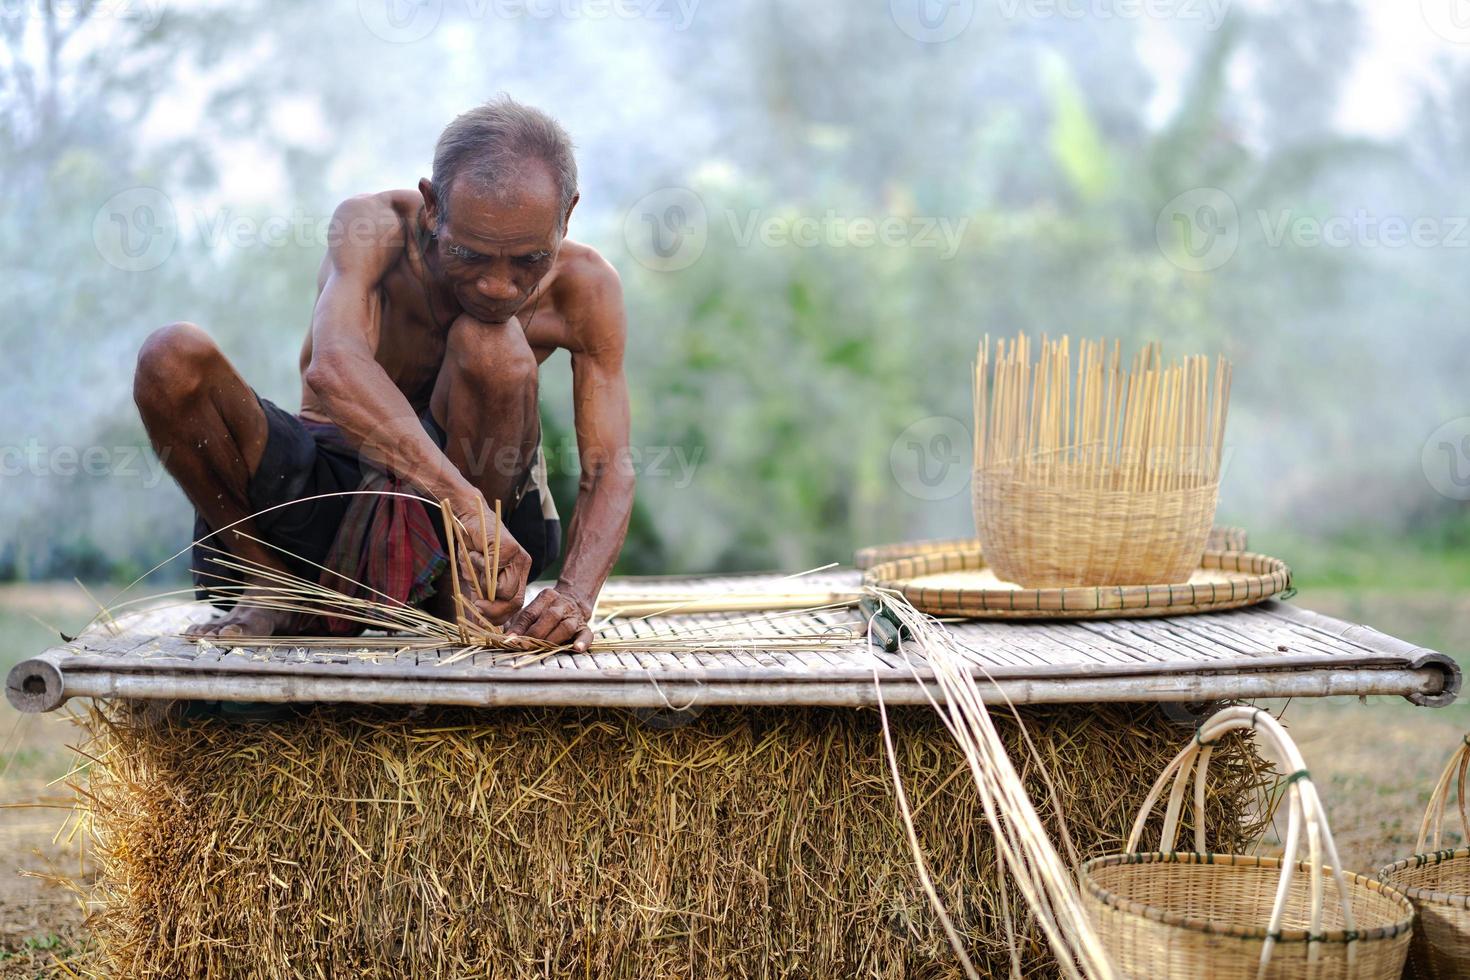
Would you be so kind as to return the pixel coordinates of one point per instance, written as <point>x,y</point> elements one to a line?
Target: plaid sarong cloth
<point>387,548</point>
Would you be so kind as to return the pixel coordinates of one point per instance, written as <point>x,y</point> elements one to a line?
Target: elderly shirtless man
<point>435,309</point>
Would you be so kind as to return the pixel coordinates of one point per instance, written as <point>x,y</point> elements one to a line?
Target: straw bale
<point>360,842</point>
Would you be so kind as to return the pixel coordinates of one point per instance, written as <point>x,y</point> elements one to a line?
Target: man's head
<point>503,188</point>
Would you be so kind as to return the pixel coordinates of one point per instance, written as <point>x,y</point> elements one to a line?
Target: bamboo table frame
<point>1274,649</point>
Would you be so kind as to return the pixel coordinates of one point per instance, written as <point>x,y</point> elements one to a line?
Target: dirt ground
<point>1374,762</point>
<point>40,921</point>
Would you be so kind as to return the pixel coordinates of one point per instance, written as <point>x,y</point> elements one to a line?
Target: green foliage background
<point>786,374</point>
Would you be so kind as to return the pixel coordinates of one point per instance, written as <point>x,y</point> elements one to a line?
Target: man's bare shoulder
<point>588,289</point>
<point>383,219</point>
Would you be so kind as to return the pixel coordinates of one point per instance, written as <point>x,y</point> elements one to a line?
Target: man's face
<point>498,243</point>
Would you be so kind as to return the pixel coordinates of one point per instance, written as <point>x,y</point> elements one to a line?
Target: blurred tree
<point>771,380</point>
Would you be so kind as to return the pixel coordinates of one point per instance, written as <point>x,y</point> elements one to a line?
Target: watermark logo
<point>1198,230</point>
<point>400,21</point>
<point>932,21</point>
<point>136,229</point>
<point>667,230</point>
<point>930,459</point>
<point>1446,459</point>
<point>1450,19</point>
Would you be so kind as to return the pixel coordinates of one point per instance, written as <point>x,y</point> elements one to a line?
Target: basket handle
<point>1454,771</point>
<point>1304,811</point>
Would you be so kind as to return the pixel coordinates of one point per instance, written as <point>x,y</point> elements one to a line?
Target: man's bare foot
<point>244,622</point>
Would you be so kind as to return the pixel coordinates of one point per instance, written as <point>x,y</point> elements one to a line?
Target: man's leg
<point>209,431</point>
<point>485,401</point>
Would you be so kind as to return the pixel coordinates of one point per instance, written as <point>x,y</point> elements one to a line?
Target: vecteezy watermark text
<point>1208,13</point>
<point>138,229</point>
<point>35,458</point>
<point>932,458</point>
<point>1201,229</point>
<point>668,229</point>
<point>407,21</point>
<point>145,13</point>
<point>937,21</point>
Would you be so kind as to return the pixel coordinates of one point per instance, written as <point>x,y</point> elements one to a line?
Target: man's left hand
<point>557,617</point>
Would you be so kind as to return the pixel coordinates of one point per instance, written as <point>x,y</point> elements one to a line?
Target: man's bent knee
<point>172,365</point>
<point>496,357</point>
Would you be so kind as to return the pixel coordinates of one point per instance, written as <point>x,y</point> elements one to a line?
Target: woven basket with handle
<point>1204,916</point>
<point>1438,883</point>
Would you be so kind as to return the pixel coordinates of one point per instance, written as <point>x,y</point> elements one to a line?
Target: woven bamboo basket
<point>1221,538</point>
<point>1437,881</point>
<point>1053,536</point>
<point>1205,916</point>
<point>1087,474</point>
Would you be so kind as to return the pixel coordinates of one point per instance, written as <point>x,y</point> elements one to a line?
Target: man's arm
<point>605,491</point>
<point>352,387</point>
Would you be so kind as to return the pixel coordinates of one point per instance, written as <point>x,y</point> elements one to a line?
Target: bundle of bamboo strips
<point>1024,850</point>
<point>397,625</point>
<point>1087,474</point>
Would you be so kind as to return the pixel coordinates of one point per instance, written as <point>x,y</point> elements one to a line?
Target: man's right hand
<point>512,574</point>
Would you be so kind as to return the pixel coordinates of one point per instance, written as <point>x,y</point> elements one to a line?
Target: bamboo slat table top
<point>1275,648</point>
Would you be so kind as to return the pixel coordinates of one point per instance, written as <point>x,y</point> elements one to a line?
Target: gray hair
<point>491,141</point>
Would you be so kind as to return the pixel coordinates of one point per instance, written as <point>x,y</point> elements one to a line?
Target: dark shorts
<point>302,459</point>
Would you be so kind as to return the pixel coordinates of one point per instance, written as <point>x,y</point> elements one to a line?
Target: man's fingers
<point>584,638</point>
<point>518,622</point>
<point>545,624</point>
<point>513,575</point>
<point>504,611</point>
<point>561,634</point>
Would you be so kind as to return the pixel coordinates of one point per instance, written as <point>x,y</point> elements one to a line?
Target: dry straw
<point>533,843</point>
<point>394,625</point>
<point>1437,881</point>
<point>1089,474</point>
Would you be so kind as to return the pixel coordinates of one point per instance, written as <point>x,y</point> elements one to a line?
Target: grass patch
<point>1367,560</point>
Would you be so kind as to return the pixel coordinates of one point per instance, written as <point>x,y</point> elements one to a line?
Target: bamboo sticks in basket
<point>1087,474</point>
<point>1153,427</point>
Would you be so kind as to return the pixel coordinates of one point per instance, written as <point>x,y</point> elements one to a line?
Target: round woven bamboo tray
<point>1438,883</point>
<point>1220,539</point>
<point>1205,916</point>
<point>958,583</point>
